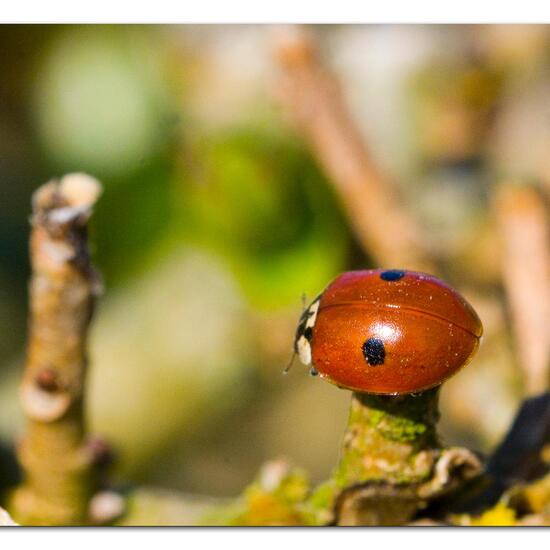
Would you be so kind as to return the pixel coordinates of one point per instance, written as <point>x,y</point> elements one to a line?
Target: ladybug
<point>387,332</point>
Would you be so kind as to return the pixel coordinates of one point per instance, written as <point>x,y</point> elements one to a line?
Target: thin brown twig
<point>58,465</point>
<point>381,222</point>
<point>524,224</point>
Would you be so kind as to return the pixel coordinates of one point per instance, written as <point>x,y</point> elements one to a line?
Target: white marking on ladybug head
<point>303,348</point>
<point>304,332</point>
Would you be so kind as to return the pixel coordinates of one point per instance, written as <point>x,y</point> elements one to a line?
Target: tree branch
<point>58,465</point>
<point>392,464</point>
<point>523,225</point>
<point>379,219</point>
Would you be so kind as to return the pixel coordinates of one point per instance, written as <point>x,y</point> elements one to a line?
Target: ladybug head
<point>304,332</point>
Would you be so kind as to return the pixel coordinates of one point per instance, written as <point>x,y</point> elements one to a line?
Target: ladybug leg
<point>290,363</point>
<point>313,371</point>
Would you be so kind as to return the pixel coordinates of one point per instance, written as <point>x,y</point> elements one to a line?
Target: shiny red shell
<point>392,332</point>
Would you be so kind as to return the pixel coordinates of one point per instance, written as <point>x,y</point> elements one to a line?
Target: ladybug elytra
<point>387,332</point>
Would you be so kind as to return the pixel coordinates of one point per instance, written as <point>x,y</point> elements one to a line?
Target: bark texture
<point>58,464</point>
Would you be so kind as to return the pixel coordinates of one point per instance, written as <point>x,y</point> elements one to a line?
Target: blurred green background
<point>215,220</point>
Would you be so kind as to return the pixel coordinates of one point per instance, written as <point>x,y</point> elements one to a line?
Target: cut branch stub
<point>392,465</point>
<point>59,478</point>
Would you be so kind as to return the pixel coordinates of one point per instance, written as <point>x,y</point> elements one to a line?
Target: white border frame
<point>279,11</point>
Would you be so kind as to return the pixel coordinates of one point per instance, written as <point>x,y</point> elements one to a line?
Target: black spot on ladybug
<point>374,352</point>
<point>392,275</point>
<point>308,333</point>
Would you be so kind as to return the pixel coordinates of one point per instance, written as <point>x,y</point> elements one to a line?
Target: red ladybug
<point>387,332</point>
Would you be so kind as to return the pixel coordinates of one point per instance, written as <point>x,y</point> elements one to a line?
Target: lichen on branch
<point>59,475</point>
<point>392,466</point>
<point>392,463</point>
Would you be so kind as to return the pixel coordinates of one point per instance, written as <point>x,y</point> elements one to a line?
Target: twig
<point>381,222</point>
<point>392,464</point>
<point>58,465</point>
<point>524,225</point>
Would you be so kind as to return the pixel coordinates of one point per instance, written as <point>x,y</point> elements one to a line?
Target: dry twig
<point>523,224</point>
<point>381,222</point>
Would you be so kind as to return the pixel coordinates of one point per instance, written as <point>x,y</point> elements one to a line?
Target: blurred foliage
<point>499,516</point>
<point>276,497</point>
<point>256,198</point>
<point>453,101</point>
<point>126,245</point>
<point>101,100</point>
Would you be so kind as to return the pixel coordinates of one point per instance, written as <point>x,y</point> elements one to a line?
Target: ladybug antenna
<point>294,353</point>
<point>290,363</point>
<point>304,301</point>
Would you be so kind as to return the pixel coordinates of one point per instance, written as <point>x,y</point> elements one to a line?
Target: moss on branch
<point>392,463</point>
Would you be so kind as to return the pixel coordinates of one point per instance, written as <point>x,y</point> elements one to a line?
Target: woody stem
<point>391,444</point>
<point>58,474</point>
